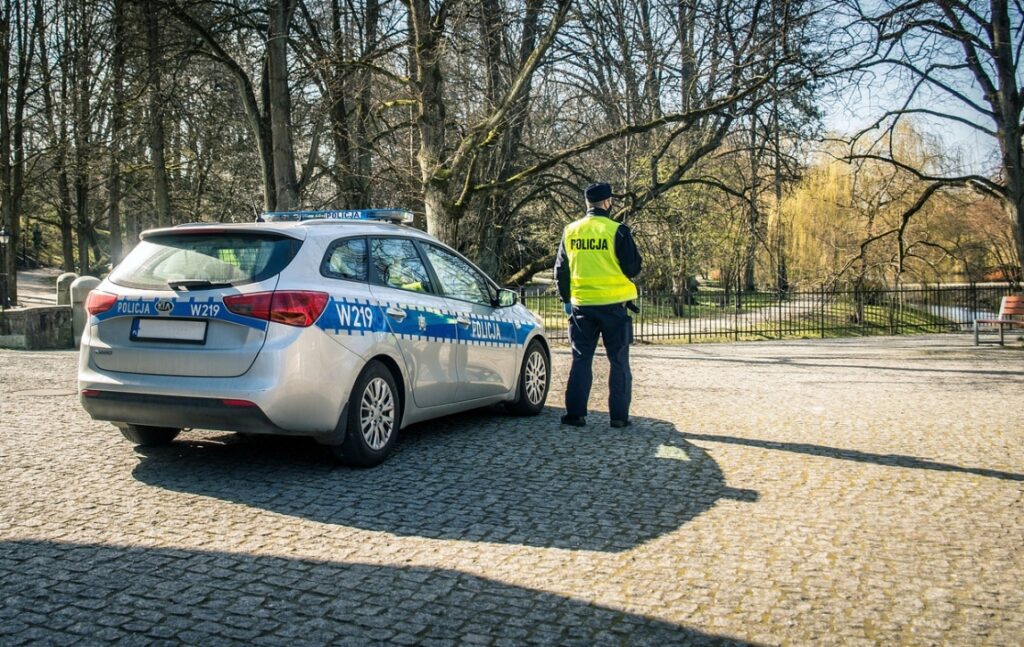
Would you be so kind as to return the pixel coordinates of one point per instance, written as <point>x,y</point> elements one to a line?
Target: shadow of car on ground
<point>57,592</point>
<point>472,477</point>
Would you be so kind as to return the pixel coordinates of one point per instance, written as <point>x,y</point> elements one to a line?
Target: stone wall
<point>45,327</point>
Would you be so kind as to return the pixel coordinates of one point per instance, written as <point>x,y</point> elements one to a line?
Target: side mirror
<point>507,298</point>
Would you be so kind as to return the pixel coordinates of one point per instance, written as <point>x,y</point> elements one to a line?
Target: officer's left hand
<point>567,307</point>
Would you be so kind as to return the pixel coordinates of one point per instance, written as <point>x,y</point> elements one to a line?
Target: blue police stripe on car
<point>355,317</point>
<point>178,308</point>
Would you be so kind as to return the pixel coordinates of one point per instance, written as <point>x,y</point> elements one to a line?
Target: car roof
<point>300,230</point>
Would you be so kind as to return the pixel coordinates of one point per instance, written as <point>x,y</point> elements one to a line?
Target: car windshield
<point>203,260</point>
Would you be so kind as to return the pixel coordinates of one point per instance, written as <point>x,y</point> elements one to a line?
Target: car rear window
<point>198,260</point>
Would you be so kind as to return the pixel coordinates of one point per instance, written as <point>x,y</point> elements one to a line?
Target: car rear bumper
<point>178,412</point>
<point>297,387</point>
<point>187,413</point>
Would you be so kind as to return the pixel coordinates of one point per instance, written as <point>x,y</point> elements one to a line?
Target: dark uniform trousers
<point>614,325</point>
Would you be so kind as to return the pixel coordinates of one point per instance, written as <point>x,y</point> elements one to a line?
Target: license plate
<point>183,331</point>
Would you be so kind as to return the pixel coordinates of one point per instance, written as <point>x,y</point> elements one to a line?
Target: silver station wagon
<point>344,326</point>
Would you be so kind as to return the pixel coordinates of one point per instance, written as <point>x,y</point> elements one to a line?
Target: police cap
<point>597,192</point>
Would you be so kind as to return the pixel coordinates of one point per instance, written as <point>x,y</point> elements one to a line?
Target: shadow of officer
<point>596,260</point>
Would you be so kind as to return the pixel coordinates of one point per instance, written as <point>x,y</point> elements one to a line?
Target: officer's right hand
<point>567,308</point>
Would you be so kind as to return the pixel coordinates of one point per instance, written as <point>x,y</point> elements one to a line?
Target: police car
<point>344,326</point>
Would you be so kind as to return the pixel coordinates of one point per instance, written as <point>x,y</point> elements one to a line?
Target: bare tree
<point>270,116</point>
<point>939,48</point>
<point>447,172</point>
<point>344,47</point>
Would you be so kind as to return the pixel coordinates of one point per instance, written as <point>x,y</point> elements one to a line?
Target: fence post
<point>779,321</point>
<point>643,308</point>
<point>974,302</point>
<point>689,319</point>
<point>821,311</point>
<point>894,314</point>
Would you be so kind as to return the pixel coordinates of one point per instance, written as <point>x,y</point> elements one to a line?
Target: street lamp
<point>4,239</point>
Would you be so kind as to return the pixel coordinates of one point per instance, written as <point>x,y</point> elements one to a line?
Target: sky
<point>857,109</point>
<point>861,103</point>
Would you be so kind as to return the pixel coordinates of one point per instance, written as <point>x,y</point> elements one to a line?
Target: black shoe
<point>574,421</point>
<point>618,424</point>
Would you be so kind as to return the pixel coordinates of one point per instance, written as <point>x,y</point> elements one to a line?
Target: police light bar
<point>397,216</point>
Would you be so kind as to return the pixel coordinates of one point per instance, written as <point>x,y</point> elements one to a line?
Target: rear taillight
<point>255,305</point>
<point>297,308</point>
<point>98,302</point>
<point>292,307</point>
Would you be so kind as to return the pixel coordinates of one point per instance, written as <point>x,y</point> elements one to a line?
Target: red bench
<point>1009,308</point>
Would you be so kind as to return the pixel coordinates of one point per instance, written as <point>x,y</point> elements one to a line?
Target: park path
<point>38,287</point>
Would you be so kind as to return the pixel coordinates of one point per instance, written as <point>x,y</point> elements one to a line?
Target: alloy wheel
<point>377,413</point>
<point>536,377</point>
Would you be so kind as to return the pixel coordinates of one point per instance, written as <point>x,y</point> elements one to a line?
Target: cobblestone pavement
<point>861,491</point>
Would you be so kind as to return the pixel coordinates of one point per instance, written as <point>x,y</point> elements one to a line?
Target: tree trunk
<point>782,273</point>
<point>754,215</point>
<point>1015,212</point>
<point>82,132</point>
<point>442,218</point>
<point>337,92</point>
<point>428,86</point>
<point>1007,103</point>
<point>82,219</point>
<point>687,26</point>
<point>117,123</point>
<point>492,216</point>
<point>18,171</point>
<point>364,108</point>
<point>285,180</point>
<point>7,216</point>
<point>495,215</point>
<point>349,95</point>
<point>652,79</point>
<point>15,37</point>
<point>161,189</point>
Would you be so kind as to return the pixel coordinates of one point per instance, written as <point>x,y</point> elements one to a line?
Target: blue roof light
<point>397,216</point>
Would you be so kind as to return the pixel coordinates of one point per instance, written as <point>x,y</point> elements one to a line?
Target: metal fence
<point>711,315</point>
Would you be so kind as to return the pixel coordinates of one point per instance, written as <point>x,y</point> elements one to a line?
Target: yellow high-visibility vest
<point>595,278</point>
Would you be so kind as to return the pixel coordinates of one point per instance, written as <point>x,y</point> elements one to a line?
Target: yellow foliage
<point>842,203</point>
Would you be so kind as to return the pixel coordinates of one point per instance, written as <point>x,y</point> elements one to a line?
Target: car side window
<point>346,259</point>
<point>397,264</point>
<point>458,279</point>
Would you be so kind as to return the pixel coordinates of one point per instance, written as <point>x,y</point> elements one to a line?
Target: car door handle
<point>462,321</point>
<point>396,313</point>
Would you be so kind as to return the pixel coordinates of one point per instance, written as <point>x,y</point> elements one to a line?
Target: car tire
<point>374,414</point>
<point>146,436</point>
<point>534,381</point>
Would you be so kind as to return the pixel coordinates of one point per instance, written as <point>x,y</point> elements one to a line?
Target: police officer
<point>596,260</point>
